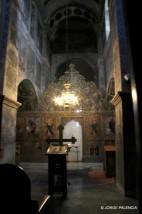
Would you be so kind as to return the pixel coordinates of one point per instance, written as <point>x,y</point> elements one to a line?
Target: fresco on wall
<point>33,19</point>
<point>22,48</point>
<point>39,31</point>
<point>40,126</point>
<point>31,141</point>
<point>25,8</point>
<point>13,30</point>
<point>38,73</point>
<point>94,127</point>
<point>33,134</point>
<point>50,127</point>
<point>20,127</point>
<point>33,125</point>
<point>94,136</point>
<point>109,125</point>
<point>30,61</point>
<point>29,130</point>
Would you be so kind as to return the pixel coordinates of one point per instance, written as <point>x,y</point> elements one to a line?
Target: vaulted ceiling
<point>72,25</point>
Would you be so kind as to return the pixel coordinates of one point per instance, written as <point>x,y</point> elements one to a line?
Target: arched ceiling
<point>78,36</point>
<point>53,5</point>
<point>72,25</point>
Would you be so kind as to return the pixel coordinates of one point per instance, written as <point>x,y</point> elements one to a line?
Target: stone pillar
<point>8,129</point>
<point>4,28</point>
<point>136,86</point>
<point>117,102</point>
<point>4,25</point>
<point>121,44</point>
<point>125,144</point>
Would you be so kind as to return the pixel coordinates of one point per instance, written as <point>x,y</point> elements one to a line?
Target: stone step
<point>70,166</point>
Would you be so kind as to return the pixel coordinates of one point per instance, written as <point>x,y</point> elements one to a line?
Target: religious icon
<point>94,127</point>
<point>49,133</point>
<point>49,130</point>
<point>31,127</point>
<point>110,126</point>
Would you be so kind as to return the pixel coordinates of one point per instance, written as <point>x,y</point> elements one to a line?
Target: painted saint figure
<point>94,128</point>
<point>31,127</point>
<point>49,134</point>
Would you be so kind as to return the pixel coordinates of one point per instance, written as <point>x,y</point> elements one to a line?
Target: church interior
<point>68,80</point>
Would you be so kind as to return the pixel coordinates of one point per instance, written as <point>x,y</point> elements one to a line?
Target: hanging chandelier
<point>67,98</point>
<point>71,92</point>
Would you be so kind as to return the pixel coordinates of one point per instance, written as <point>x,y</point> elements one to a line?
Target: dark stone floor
<point>88,193</point>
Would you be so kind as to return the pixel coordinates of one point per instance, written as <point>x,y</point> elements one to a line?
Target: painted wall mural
<point>40,126</point>
<point>33,125</point>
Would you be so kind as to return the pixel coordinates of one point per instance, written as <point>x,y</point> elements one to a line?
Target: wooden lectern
<point>57,167</point>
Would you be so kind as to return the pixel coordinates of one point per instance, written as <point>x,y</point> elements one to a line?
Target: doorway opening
<point>74,129</point>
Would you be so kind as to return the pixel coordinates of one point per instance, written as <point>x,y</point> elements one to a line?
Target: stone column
<point>136,86</point>
<point>125,144</point>
<point>8,129</point>
<point>117,102</point>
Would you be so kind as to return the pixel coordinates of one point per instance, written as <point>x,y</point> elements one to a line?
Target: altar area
<point>79,105</point>
<point>90,129</point>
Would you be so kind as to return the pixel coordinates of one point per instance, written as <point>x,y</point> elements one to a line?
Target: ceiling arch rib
<point>53,5</point>
<point>69,12</point>
<point>79,36</point>
<point>80,30</point>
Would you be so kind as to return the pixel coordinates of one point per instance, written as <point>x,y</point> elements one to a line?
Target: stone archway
<point>27,135</point>
<point>73,128</point>
<point>27,96</point>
